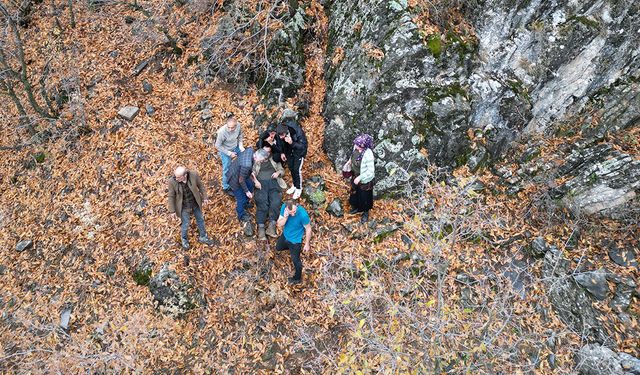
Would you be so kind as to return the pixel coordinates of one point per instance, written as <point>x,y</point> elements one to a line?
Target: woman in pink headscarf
<point>362,167</point>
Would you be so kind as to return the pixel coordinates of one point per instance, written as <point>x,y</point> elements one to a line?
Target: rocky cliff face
<point>523,69</point>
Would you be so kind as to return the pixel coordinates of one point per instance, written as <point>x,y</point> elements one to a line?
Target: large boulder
<point>599,180</point>
<point>569,300</point>
<point>523,68</point>
<point>595,359</point>
<point>279,71</point>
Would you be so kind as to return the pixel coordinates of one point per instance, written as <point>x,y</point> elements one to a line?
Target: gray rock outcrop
<point>278,72</point>
<point>569,300</point>
<point>526,67</point>
<point>600,179</point>
<point>594,359</point>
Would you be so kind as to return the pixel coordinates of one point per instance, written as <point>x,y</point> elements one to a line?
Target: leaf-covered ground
<point>432,296</point>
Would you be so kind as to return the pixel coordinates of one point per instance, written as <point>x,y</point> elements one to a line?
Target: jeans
<point>295,166</point>
<point>294,251</point>
<point>268,201</point>
<point>242,199</point>
<point>226,161</point>
<point>185,215</point>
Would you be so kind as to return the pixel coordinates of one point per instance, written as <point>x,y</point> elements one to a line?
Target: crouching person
<point>187,196</point>
<point>296,223</point>
<point>267,178</point>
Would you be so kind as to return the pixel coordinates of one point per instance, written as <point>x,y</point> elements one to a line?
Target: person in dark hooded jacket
<point>294,150</point>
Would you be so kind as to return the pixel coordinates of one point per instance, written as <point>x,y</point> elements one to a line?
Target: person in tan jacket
<point>267,178</point>
<point>188,196</point>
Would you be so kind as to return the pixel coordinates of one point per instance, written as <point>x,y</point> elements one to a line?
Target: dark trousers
<point>294,251</point>
<point>295,166</point>
<point>242,199</point>
<point>185,215</point>
<point>360,199</point>
<point>268,201</point>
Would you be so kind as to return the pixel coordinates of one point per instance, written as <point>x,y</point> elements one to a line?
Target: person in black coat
<point>294,150</point>
<point>269,139</point>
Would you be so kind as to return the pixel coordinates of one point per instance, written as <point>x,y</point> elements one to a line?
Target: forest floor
<point>95,207</point>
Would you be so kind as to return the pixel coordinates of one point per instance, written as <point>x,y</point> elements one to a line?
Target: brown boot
<point>261,235</point>
<point>271,229</point>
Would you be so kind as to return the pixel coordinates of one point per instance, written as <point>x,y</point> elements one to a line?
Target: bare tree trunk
<point>7,89</point>
<point>43,88</point>
<point>23,65</point>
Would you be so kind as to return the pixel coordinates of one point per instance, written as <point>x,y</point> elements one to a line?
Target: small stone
<point>65,318</point>
<point>539,247</point>
<point>204,103</point>
<point>128,112</point>
<point>400,257</point>
<point>407,240</point>
<point>623,257</point>
<point>624,293</point>
<point>477,159</point>
<point>140,67</point>
<point>335,208</point>
<point>551,359</point>
<point>2,269</point>
<point>347,227</point>
<point>24,245</point>
<point>476,186</point>
<point>129,20</point>
<point>149,109</point>
<point>595,282</point>
<point>572,242</point>
<point>385,232</point>
<point>147,87</point>
<point>114,54</point>
<point>206,114</point>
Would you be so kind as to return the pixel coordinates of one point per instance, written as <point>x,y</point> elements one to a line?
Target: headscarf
<point>364,141</point>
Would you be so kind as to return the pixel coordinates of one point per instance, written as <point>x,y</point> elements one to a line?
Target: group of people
<point>257,175</point>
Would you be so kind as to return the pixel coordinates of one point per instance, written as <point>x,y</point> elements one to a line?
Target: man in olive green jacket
<point>187,195</point>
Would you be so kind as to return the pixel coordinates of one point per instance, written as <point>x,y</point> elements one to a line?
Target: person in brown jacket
<point>187,196</point>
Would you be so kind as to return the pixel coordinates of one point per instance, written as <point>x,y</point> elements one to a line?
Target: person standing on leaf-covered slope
<point>294,150</point>
<point>295,220</point>
<point>361,169</point>
<point>240,183</point>
<point>187,196</point>
<point>229,144</point>
<point>267,178</point>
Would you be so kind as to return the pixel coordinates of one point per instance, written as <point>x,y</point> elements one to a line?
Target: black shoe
<point>354,211</point>
<point>365,217</point>
<point>294,281</point>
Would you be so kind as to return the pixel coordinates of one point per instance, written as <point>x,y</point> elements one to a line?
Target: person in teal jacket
<point>295,220</point>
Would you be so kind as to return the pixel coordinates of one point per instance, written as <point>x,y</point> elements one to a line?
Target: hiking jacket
<point>298,148</point>
<point>175,191</point>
